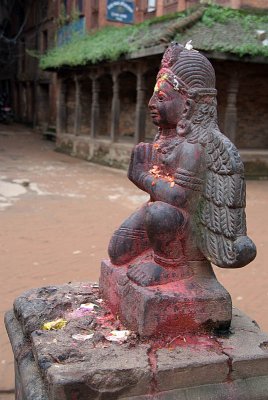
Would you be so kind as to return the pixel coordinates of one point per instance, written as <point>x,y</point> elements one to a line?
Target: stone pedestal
<point>197,303</point>
<point>53,365</point>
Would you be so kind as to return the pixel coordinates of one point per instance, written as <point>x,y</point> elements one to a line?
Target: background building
<point>95,79</point>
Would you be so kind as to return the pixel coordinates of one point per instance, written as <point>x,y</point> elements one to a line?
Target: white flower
<point>189,45</point>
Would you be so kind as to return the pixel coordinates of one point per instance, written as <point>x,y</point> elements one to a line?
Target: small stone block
<point>187,305</point>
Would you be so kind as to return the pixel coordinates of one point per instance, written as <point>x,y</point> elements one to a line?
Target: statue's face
<point>166,105</point>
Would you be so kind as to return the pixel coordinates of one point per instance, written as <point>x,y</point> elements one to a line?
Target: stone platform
<point>55,365</point>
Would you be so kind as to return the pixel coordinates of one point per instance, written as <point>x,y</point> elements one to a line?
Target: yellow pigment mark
<point>159,83</point>
<point>54,325</point>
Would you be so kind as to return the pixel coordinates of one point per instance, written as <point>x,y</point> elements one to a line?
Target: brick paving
<point>58,213</point>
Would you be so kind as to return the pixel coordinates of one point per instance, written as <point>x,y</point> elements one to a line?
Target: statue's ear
<point>188,108</point>
<point>183,127</point>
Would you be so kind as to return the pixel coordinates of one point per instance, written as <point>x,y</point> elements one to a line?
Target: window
<point>151,5</point>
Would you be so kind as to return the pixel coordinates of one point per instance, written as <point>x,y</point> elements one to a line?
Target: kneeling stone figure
<point>195,179</point>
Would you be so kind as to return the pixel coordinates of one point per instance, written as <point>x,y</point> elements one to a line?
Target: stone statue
<point>195,179</point>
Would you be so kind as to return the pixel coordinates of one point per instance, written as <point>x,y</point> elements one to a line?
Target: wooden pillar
<point>61,106</point>
<point>181,5</point>
<point>53,99</point>
<point>23,101</point>
<point>159,8</point>
<point>19,91</point>
<point>77,111</point>
<point>38,94</point>
<point>15,98</point>
<point>140,109</point>
<point>230,119</point>
<point>36,103</point>
<point>115,107</point>
<point>95,107</point>
<point>28,102</point>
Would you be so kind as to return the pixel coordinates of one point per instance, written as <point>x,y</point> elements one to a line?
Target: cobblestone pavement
<point>58,213</point>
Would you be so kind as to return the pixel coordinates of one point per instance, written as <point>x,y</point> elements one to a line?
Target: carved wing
<point>221,219</point>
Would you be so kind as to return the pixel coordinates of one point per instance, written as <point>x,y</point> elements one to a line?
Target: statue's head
<point>184,74</point>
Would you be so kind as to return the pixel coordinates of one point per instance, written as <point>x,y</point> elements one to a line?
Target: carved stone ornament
<point>159,277</point>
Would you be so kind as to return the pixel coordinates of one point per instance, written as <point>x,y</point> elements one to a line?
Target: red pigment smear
<point>223,349</point>
<point>74,395</point>
<point>109,320</point>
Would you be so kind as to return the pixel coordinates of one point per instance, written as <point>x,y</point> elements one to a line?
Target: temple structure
<point>73,88</point>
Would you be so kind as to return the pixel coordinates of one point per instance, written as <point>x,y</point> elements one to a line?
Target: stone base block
<point>53,365</point>
<point>189,305</point>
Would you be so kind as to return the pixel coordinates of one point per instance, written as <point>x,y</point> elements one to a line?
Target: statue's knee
<point>164,218</point>
<point>118,249</point>
<point>127,244</point>
<point>113,249</point>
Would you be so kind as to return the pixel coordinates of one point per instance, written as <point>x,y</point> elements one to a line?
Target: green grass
<point>108,43</point>
<point>247,18</point>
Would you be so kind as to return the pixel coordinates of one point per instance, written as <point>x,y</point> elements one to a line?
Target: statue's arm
<point>140,164</point>
<point>160,189</point>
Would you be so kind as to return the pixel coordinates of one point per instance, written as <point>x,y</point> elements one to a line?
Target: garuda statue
<point>195,179</point>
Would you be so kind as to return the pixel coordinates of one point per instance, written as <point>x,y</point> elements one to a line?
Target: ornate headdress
<point>187,69</point>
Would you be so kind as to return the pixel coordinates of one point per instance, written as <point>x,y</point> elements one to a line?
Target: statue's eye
<point>161,96</point>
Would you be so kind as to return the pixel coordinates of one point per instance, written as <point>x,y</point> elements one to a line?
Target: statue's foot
<point>150,274</point>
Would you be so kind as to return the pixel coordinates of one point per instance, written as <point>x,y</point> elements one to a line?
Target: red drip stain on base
<point>229,378</point>
<point>152,360</point>
<point>199,341</point>
<point>230,365</point>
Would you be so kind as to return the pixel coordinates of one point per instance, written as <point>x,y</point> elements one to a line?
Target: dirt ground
<point>58,213</point>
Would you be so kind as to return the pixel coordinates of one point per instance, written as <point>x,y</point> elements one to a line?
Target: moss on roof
<point>229,31</point>
<point>212,28</point>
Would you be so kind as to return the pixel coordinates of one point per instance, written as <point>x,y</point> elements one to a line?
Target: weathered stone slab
<point>52,365</point>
